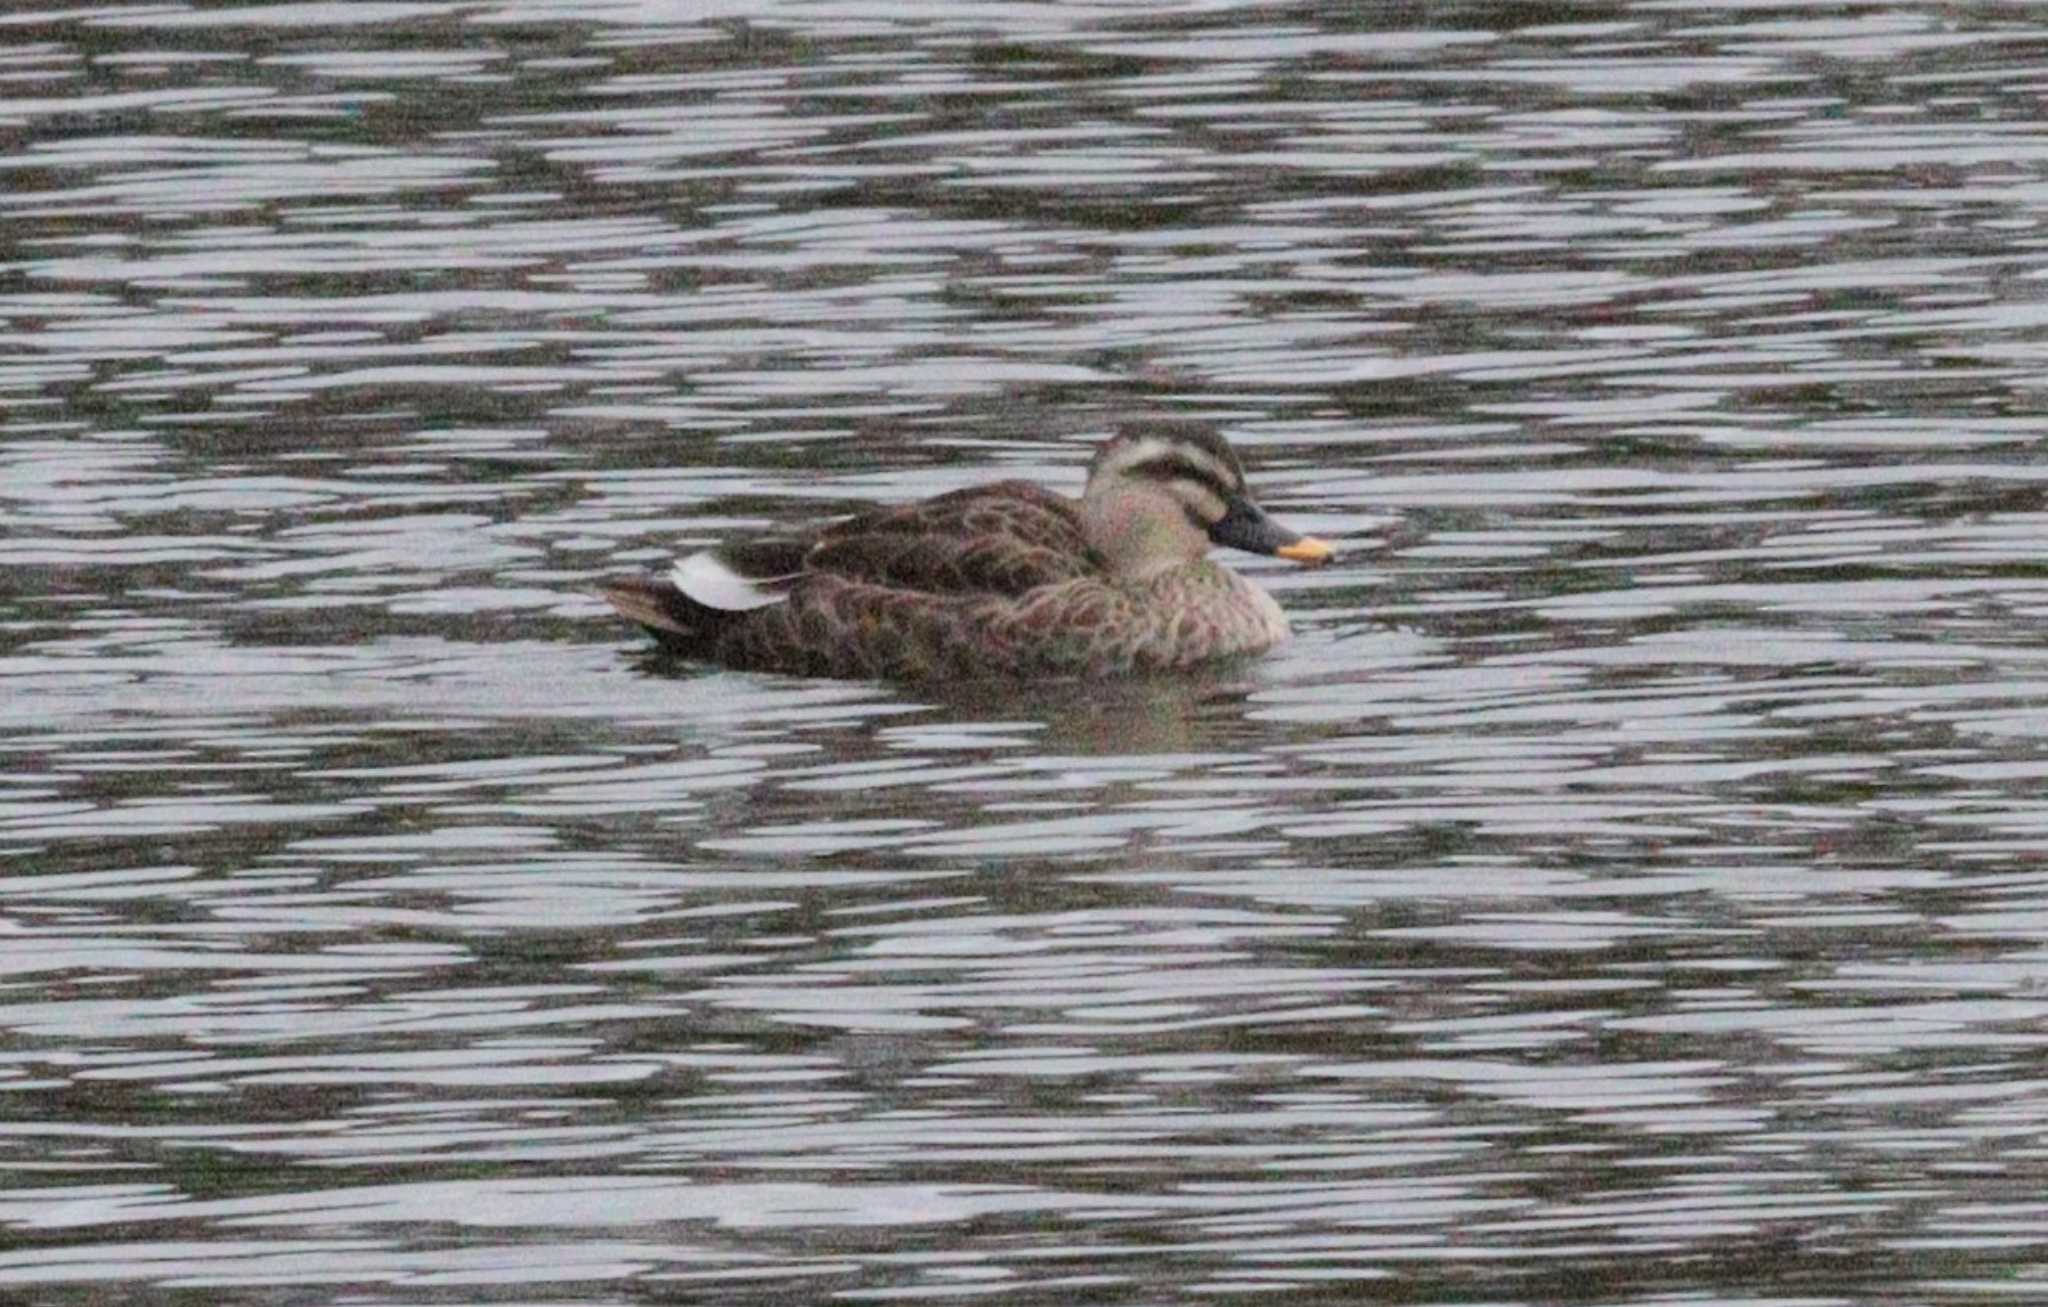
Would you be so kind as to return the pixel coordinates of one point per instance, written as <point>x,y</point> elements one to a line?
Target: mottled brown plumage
<point>1006,579</point>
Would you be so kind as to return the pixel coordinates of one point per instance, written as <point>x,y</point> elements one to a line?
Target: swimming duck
<point>1002,580</point>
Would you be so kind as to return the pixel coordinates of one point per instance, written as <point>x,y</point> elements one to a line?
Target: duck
<point>1006,580</point>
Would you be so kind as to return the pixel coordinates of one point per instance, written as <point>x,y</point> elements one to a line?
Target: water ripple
<point>1628,876</point>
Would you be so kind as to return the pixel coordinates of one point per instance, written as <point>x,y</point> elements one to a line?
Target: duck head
<point>1162,494</point>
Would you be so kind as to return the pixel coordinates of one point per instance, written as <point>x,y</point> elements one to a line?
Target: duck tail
<point>656,604</point>
<point>707,592</point>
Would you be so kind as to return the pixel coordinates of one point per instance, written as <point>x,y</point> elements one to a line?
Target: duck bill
<point>1247,527</point>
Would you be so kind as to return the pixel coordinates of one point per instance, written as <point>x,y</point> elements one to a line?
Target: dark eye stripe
<point>1168,467</point>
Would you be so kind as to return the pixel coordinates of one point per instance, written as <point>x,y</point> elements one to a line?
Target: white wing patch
<point>706,578</point>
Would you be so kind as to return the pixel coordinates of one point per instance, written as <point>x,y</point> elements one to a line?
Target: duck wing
<point>1003,539</point>
<point>912,564</point>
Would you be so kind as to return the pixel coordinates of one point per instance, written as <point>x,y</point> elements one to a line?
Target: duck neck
<point>1137,541</point>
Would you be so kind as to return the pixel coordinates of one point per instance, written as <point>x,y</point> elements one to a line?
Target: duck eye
<point>1175,469</point>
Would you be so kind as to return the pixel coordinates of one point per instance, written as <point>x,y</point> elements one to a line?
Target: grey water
<point>1629,886</point>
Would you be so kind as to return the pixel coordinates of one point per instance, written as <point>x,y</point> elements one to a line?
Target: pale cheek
<point>1202,504</point>
<point>1143,538</point>
<point>1139,534</point>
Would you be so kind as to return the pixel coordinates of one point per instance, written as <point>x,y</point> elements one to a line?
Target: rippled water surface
<point>1628,887</point>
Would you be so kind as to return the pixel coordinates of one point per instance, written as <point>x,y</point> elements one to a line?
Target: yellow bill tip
<point>1307,550</point>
